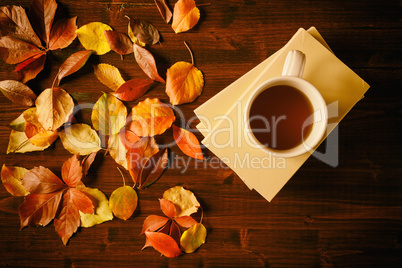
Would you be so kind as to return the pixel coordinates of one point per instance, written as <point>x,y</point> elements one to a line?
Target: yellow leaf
<point>150,117</point>
<point>80,139</point>
<point>117,150</point>
<point>53,107</point>
<point>109,76</point>
<point>193,238</point>
<point>132,35</point>
<point>11,178</point>
<point>123,202</point>
<point>92,37</point>
<point>19,143</point>
<point>18,124</point>
<point>185,15</point>
<point>101,205</point>
<point>184,199</point>
<point>35,132</point>
<point>184,83</point>
<point>108,115</point>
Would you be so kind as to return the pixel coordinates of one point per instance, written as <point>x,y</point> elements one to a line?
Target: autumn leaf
<point>193,238</point>
<point>184,82</point>
<point>153,223</point>
<point>53,107</point>
<point>80,139</point>
<point>183,199</point>
<point>109,76</point>
<point>73,64</point>
<point>164,10</point>
<point>167,207</point>
<point>133,89</point>
<point>87,162</point>
<point>123,202</point>
<point>30,68</point>
<point>11,178</point>
<point>187,142</point>
<point>119,42</point>
<point>17,92</point>
<point>163,243</point>
<point>18,124</point>
<point>150,117</point>
<point>71,171</point>
<point>41,14</point>
<point>13,50</point>
<point>128,138</point>
<point>143,31</point>
<point>185,15</point>
<point>19,143</point>
<point>117,150</point>
<point>102,211</point>
<point>92,37</point>
<point>185,221</point>
<point>147,63</point>
<point>63,33</point>
<point>36,134</point>
<point>153,168</point>
<point>108,115</point>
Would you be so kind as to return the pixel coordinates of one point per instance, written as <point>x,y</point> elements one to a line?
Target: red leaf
<point>147,63</point>
<point>63,33</point>
<point>164,10</point>
<point>185,221</point>
<point>153,168</point>
<point>71,171</point>
<point>41,14</point>
<point>168,208</point>
<point>30,68</point>
<point>153,223</point>
<point>119,42</point>
<point>164,244</point>
<point>41,180</point>
<point>73,64</point>
<point>39,209</point>
<point>81,201</point>
<point>175,232</point>
<point>13,50</point>
<point>187,142</point>
<point>128,138</point>
<point>133,89</point>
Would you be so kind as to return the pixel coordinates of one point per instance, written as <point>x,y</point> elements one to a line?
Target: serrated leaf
<point>187,142</point>
<point>183,199</point>
<point>13,50</point>
<point>30,68</point>
<point>109,76</point>
<point>18,92</point>
<point>41,180</point>
<point>37,135</point>
<point>119,42</point>
<point>102,211</point>
<point>168,208</point>
<point>73,64</point>
<point>133,89</point>
<point>11,178</point>
<point>147,63</point>
<point>80,139</point>
<point>63,33</point>
<point>185,221</point>
<point>71,171</point>
<point>185,15</point>
<point>163,243</point>
<point>41,14</point>
<point>92,37</point>
<point>123,202</point>
<point>153,223</point>
<point>193,238</point>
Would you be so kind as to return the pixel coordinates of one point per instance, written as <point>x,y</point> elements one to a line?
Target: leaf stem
<point>191,53</point>
<point>202,214</point>
<point>124,180</point>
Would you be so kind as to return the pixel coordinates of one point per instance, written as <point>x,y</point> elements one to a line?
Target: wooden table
<point>347,216</point>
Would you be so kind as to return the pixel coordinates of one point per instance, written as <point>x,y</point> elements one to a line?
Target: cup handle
<point>294,64</point>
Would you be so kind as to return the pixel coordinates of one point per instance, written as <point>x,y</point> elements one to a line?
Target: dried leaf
<point>164,10</point>
<point>119,42</point>
<point>183,199</point>
<point>108,115</point>
<point>187,142</point>
<point>123,202</point>
<point>153,168</point>
<point>117,150</point>
<point>41,14</point>
<point>147,63</point>
<point>163,243</point>
<point>92,37</point>
<point>53,108</point>
<point>19,143</point>
<point>185,221</point>
<point>80,139</point>
<point>128,138</point>
<point>11,178</point>
<point>143,31</point>
<point>18,92</point>
<point>153,223</point>
<point>168,208</point>
<point>87,162</point>
<point>193,238</point>
<point>13,50</point>
<point>30,68</point>
<point>18,124</point>
<point>133,89</point>
<point>184,83</point>
<point>185,15</point>
<point>36,134</point>
<point>150,117</point>
<point>174,232</point>
<point>71,171</point>
<point>41,180</point>
<point>102,211</point>
<point>73,64</point>
<point>109,76</point>
<point>63,33</point>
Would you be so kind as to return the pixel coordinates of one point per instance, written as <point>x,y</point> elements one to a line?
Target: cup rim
<point>316,100</point>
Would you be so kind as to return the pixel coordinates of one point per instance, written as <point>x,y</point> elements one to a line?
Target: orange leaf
<point>81,201</point>
<point>153,223</point>
<point>119,42</point>
<point>36,134</point>
<point>174,232</point>
<point>41,14</point>
<point>73,64</point>
<point>150,117</point>
<point>71,171</point>
<point>11,178</point>
<point>164,10</point>
<point>123,202</point>
<point>185,221</point>
<point>185,15</point>
<point>128,138</point>
<point>187,142</point>
<point>17,92</point>
<point>133,89</point>
<point>147,63</point>
<point>163,243</point>
<point>63,33</point>
<point>167,207</point>
<point>41,180</point>
<point>153,168</point>
<point>13,50</point>
<point>30,68</point>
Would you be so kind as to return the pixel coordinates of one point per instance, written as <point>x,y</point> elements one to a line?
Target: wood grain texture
<point>348,216</point>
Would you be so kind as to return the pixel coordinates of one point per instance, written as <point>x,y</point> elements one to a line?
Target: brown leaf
<point>153,168</point>
<point>185,15</point>
<point>119,42</point>
<point>147,63</point>
<point>13,50</point>
<point>63,33</point>
<point>168,208</point>
<point>153,223</point>
<point>164,244</point>
<point>41,180</point>
<point>187,142</point>
<point>73,64</point>
<point>175,232</point>
<point>87,162</point>
<point>133,89</point>
<point>143,31</point>
<point>41,14</point>
<point>30,68</point>
<point>14,22</point>
<point>71,171</point>
<point>17,92</point>
<point>164,10</point>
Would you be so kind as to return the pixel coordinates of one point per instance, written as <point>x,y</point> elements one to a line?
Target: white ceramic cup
<point>291,76</point>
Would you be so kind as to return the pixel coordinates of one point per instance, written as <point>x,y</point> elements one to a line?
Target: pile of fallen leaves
<point>126,133</point>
